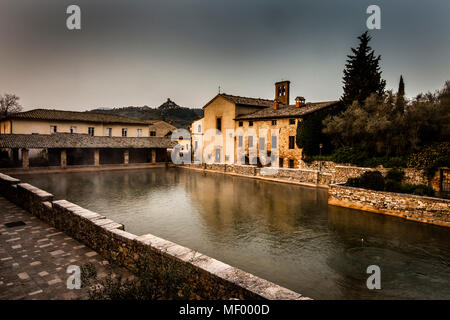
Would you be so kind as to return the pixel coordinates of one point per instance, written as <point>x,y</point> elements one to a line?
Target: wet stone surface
<point>34,258</point>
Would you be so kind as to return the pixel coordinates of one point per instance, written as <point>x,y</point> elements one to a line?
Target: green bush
<point>358,157</point>
<point>373,180</point>
<point>395,174</point>
<point>353,182</point>
<point>347,155</point>
<point>387,162</point>
<point>431,158</point>
<point>418,189</point>
<point>393,186</point>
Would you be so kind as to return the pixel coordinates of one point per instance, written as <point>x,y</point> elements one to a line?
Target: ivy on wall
<point>310,135</point>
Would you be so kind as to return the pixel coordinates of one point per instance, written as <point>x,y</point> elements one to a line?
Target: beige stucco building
<point>252,130</point>
<point>44,137</point>
<point>45,121</point>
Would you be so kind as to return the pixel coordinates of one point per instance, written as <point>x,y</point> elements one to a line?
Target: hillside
<point>181,117</point>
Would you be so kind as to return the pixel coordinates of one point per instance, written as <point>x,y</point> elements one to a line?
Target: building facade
<point>45,121</point>
<point>43,137</point>
<point>242,130</point>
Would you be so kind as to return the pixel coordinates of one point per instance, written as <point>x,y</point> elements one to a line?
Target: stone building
<point>159,128</point>
<point>46,121</point>
<point>252,130</point>
<point>43,137</point>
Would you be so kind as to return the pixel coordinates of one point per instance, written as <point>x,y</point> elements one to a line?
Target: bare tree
<point>9,103</point>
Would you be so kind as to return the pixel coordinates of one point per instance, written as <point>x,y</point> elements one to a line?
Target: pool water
<point>287,234</point>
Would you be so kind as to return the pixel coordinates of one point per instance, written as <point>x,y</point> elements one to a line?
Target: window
<point>291,142</point>
<point>250,142</point>
<point>139,133</point>
<point>274,122</point>
<point>291,121</point>
<point>217,155</point>
<point>124,132</point>
<point>195,145</point>
<point>274,142</point>
<point>240,141</point>
<point>52,129</point>
<point>91,131</point>
<point>262,144</point>
<point>219,124</point>
<point>250,123</point>
<point>280,162</point>
<point>199,128</point>
<point>291,164</point>
<point>241,123</point>
<point>73,129</point>
<point>109,132</point>
<point>152,133</point>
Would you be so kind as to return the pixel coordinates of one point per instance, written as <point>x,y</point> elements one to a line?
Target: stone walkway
<point>34,258</point>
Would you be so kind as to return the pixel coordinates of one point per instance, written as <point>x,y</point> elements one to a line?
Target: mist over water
<point>284,233</point>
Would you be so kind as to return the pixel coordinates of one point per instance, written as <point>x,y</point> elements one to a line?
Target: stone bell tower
<point>282,92</point>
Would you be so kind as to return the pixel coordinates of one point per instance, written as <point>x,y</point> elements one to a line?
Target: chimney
<point>275,104</point>
<point>282,92</point>
<point>299,102</point>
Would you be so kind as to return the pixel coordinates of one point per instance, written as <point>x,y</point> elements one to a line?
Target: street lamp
<point>320,153</point>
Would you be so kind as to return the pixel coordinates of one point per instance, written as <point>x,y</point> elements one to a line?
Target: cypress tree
<point>401,87</point>
<point>400,103</point>
<point>362,75</point>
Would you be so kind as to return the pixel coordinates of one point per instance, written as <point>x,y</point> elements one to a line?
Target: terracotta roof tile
<point>289,111</point>
<point>255,102</point>
<point>88,116</point>
<point>75,140</point>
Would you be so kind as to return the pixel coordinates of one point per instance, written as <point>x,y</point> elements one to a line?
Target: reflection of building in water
<point>229,203</point>
<point>236,129</point>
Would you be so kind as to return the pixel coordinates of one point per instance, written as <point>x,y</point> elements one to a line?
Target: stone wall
<point>327,172</point>
<point>207,277</point>
<point>283,174</point>
<point>423,209</point>
<point>342,172</point>
<point>300,175</point>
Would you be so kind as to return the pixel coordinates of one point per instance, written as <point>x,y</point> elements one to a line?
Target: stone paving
<point>34,258</point>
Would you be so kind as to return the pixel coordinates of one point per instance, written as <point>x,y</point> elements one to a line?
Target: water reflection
<point>284,233</point>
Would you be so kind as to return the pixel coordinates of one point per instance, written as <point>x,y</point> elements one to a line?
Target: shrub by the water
<point>353,182</point>
<point>372,180</point>
<point>395,174</point>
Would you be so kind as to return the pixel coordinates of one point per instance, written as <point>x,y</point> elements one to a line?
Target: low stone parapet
<point>307,176</point>
<point>207,277</point>
<point>411,207</point>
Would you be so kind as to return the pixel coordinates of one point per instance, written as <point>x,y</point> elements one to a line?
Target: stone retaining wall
<point>207,277</point>
<point>295,175</point>
<point>326,173</point>
<point>423,209</point>
<point>340,172</point>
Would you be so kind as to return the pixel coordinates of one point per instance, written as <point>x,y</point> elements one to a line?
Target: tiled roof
<point>74,140</point>
<point>289,111</point>
<point>60,115</point>
<point>160,124</point>
<point>246,101</point>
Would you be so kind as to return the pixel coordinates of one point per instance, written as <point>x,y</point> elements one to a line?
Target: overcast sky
<point>138,52</point>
